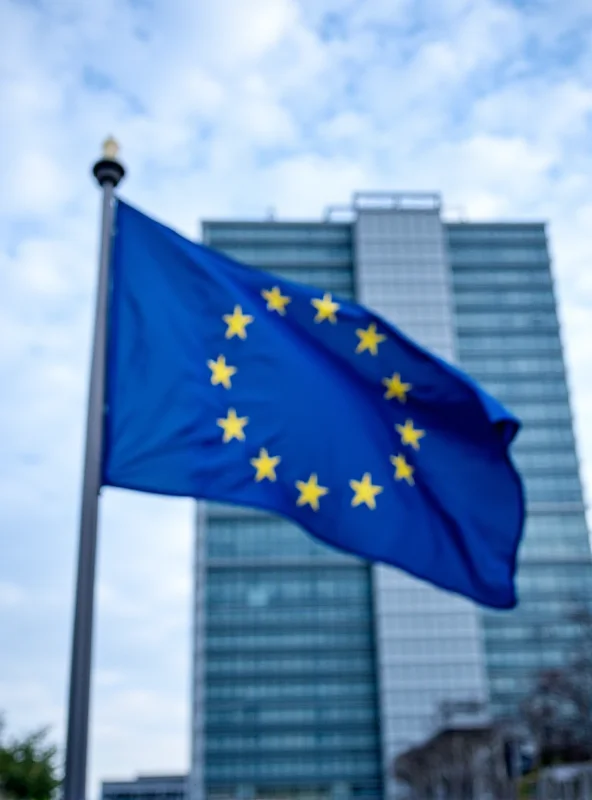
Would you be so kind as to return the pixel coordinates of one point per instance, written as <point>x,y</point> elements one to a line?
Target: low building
<point>467,757</point>
<point>147,787</point>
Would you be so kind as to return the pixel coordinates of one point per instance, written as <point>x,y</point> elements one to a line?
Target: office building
<point>312,669</point>
<point>508,339</point>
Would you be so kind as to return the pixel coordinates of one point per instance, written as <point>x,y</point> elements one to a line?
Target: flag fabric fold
<point>227,383</point>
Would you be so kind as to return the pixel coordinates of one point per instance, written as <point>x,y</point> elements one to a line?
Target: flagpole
<point>108,172</point>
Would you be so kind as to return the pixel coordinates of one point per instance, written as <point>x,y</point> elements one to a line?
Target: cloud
<point>11,595</point>
<point>224,109</point>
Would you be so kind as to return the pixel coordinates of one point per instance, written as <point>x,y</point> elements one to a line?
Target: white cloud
<point>11,595</point>
<point>229,108</point>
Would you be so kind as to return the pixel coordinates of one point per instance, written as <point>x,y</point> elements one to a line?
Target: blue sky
<point>227,108</point>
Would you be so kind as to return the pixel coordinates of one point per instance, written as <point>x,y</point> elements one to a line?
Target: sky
<point>230,108</point>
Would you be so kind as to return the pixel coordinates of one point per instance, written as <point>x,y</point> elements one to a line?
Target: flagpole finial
<point>108,168</point>
<point>110,148</point>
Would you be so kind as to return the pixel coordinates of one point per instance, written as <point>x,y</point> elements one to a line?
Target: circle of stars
<point>310,491</point>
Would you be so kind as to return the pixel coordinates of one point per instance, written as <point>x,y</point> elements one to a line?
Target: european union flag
<point>227,383</point>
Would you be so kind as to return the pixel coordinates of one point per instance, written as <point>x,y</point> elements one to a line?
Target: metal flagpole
<point>108,172</point>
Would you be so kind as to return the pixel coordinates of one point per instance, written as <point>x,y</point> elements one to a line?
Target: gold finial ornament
<point>110,149</point>
<point>108,170</point>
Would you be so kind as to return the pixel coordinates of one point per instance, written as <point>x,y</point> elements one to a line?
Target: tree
<point>27,767</point>
<point>558,711</point>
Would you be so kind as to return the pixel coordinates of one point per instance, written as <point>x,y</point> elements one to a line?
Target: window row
<point>499,255</point>
<point>559,460</point>
<point>238,552</point>
<point>553,487</point>
<point>562,540</point>
<point>340,287</point>
<point>284,598</point>
<point>268,545</point>
<point>336,279</point>
<point>407,644</point>
<point>403,266</point>
<point>557,635</point>
<point>285,585</point>
<point>566,547</point>
<point>284,690</point>
<point>283,602</point>
<point>239,664</point>
<point>544,343</point>
<point>339,281</point>
<point>502,277</point>
<point>292,616</point>
<point>221,526</point>
<point>566,570</point>
<point>341,713</point>
<point>518,365</point>
<point>266,232</point>
<point>515,390</point>
<point>405,271</point>
<point>432,304</point>
<point>515,684</point>
<point>553,493</point>
<point>262,537</point>
<point>323,577</point>
<point>557,608</point>
<point>324,766</point>
<point>542,299</point>
<point>279,253</point>
<point>398,226</point>
<point>429,621</point>
<point>420,321</point>
<point>492,233</point>
<point>533,435</point>
<point>487,320</point>
<point>408,252</point>
<point>557,525</point>
<point>413,299</point>
<point>290,741</point>
<point>313,639</point>
<point>543,412</point>
<point>506,633</point>
<point>542,655</point>
<point>434,674</point>
<point>574,582</point>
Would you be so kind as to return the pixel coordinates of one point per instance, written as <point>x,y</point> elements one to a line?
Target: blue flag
<point>227,383</point>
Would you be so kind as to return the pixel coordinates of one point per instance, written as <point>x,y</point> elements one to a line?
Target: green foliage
<point>27,767</point>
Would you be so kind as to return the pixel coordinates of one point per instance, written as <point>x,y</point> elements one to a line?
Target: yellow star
<point>221,372</point>
<point>233,426</point>
<point>404,471</point>
<point>326,308</point>
<point>369,340</point>
<point>409,434</point>
<point>365,492</point>
<point>396,388</point>
<point>276,301</point>
<point>237,323</point>
<point>265,465</point>
<point>310,491</point>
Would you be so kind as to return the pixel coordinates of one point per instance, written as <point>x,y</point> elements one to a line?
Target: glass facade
<point>289,704</point>
<point>429,642</point>
<point>508,339</point>
<point>313,670</point>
